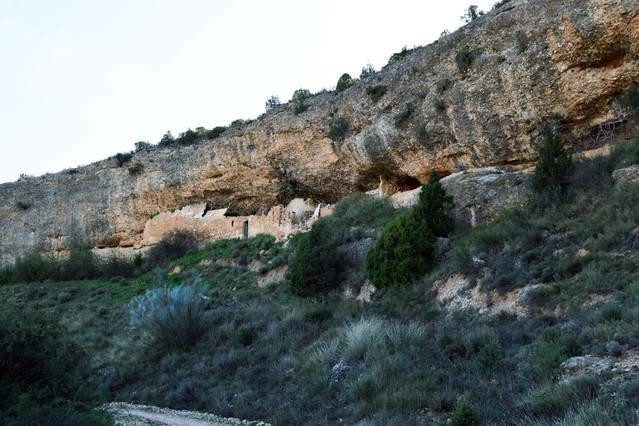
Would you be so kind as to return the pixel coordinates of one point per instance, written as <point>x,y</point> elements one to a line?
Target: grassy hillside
<point>209,332</point>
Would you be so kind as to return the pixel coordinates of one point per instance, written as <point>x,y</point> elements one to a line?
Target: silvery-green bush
<point>171,317</point>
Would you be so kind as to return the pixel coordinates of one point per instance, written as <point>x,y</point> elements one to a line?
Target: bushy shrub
<point>631,391</point>
<point>471,14</point>
<point>367,71</point>
<point>42,373</point>
<point>173,246</point>
<point>33,267</point>
<point>301,95</point>
<point>35,353</point>
<point>594,414</point>
<point>299,107</point>
<point>522,41</point>
<point>402,117</point>
<point>80,264</point>
<point>23,205</point>
<point>189,394</point>
<point>171,318</point>
<point>549,351</point>
<point>361,211</point>
<point>465,58</point>
<point>421,133</point>
<point>344,82</point>
<point>491,355</point>
<point>122,158</point>
<point>167,139</point>
<point>629,98</point>
<point>299,98</point>
<point>316,265</point>
<point>553,400</point>
<point>399,55</point>
<point>215,132</point>
<point>239,123</point>
<point>246,335</point>
<point>368,339</point>
<point>611,312</point>
<point>443,85</point>
<point>187,138</point>
<point>376,92</point>
<point>142,146</point>
<point>624,155</point>
<point>591,173</point>
<point>119,266</point>
<point>402,253</point>
<point>6,275</point>
<point>338,128</point>
<point>136,169</point>
<point>554,165</point>
<point>440,105</point>
<point>464,413</point>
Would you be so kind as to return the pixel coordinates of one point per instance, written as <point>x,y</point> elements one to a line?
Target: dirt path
<point>143,415</point>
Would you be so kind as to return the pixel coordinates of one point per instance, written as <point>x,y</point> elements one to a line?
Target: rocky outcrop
<point>457,292</point>
<point>475,98</point>
<point>626,175</point>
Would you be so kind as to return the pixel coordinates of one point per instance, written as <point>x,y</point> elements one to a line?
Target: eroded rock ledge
<point>534,59</point>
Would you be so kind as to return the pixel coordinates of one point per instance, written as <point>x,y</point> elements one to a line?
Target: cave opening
<point>406,183</point>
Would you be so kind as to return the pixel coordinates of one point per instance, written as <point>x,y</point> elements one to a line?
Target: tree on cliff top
<point>344,82</point>
<point>471,14</point>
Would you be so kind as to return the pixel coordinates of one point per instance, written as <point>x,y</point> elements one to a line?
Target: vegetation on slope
<point>267,354</point>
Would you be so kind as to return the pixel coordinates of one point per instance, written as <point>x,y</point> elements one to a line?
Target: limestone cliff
<point>479,94</point>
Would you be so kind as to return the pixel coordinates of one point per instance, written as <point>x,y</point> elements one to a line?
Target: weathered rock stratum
<point>477,97</point>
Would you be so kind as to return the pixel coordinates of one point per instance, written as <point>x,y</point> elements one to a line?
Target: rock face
<point>477,99</point>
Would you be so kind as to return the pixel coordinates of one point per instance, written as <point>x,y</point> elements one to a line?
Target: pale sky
<point>81,80</point>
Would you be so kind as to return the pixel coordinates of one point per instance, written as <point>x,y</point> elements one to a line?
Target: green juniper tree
<point>317,265</point>
<point>553,167</point>
<point>405,250</point>
<point>435,207</point>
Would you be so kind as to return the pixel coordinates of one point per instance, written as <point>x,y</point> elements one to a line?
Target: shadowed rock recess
<point>506,73</point>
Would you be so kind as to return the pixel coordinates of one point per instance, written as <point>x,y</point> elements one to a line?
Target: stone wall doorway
<point>245,230</point>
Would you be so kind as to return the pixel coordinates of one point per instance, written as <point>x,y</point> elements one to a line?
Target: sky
<point>82,80</point>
